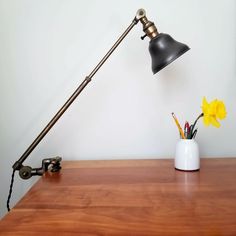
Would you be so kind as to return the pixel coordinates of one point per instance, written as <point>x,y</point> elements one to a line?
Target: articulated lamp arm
<point>26,172</point>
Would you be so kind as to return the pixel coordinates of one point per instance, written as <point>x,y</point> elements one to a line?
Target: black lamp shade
<point>164,49</point>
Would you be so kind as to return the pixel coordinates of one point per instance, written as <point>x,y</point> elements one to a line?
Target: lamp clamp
<point>48,164</point>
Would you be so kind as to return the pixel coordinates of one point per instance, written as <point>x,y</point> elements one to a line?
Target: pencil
<point>178,125</point>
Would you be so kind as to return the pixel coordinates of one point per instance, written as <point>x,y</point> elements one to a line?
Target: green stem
<point>192,128</point>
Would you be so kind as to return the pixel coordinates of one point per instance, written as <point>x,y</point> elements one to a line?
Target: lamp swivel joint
<point>149,27</point>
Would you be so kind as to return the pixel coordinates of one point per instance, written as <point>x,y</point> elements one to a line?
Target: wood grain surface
<point>129,197</point>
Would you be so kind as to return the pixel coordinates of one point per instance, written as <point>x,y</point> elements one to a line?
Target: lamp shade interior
<point>164,49</point>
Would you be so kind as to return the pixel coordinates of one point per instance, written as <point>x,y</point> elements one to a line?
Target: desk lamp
<point>163,49</point>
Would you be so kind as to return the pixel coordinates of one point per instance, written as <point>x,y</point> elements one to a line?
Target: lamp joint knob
<point>140,14</point>
<point>144,36</point>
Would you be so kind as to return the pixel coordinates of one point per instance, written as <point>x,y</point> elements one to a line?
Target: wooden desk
<point>134,197</point>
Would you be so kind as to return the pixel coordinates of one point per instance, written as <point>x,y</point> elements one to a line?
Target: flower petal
<point>221,111</point>
<point>214,122</point>
<point>206,120</point>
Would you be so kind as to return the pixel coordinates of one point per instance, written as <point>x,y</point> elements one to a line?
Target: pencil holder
<point>187,155</point>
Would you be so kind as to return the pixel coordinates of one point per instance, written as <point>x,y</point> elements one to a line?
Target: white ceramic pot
<point>187,155</point>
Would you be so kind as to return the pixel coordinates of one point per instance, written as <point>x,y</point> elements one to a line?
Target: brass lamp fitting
<point>149,27</point>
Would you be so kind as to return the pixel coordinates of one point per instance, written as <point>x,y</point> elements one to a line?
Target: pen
<point>190,131</point>
<point>194,133</point>
<point>178,125</point>
<point>186,129</point>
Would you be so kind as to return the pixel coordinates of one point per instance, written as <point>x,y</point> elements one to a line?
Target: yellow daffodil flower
<point>213,111</point>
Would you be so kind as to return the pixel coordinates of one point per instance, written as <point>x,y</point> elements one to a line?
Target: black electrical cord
<point>10,190</point>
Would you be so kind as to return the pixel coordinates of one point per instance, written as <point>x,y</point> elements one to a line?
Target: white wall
<point>48,47</point>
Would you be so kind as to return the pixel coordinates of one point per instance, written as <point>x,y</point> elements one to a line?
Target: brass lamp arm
<point>149,29</point>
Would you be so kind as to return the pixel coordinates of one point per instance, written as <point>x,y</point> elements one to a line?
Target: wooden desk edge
<point>71,164</point>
